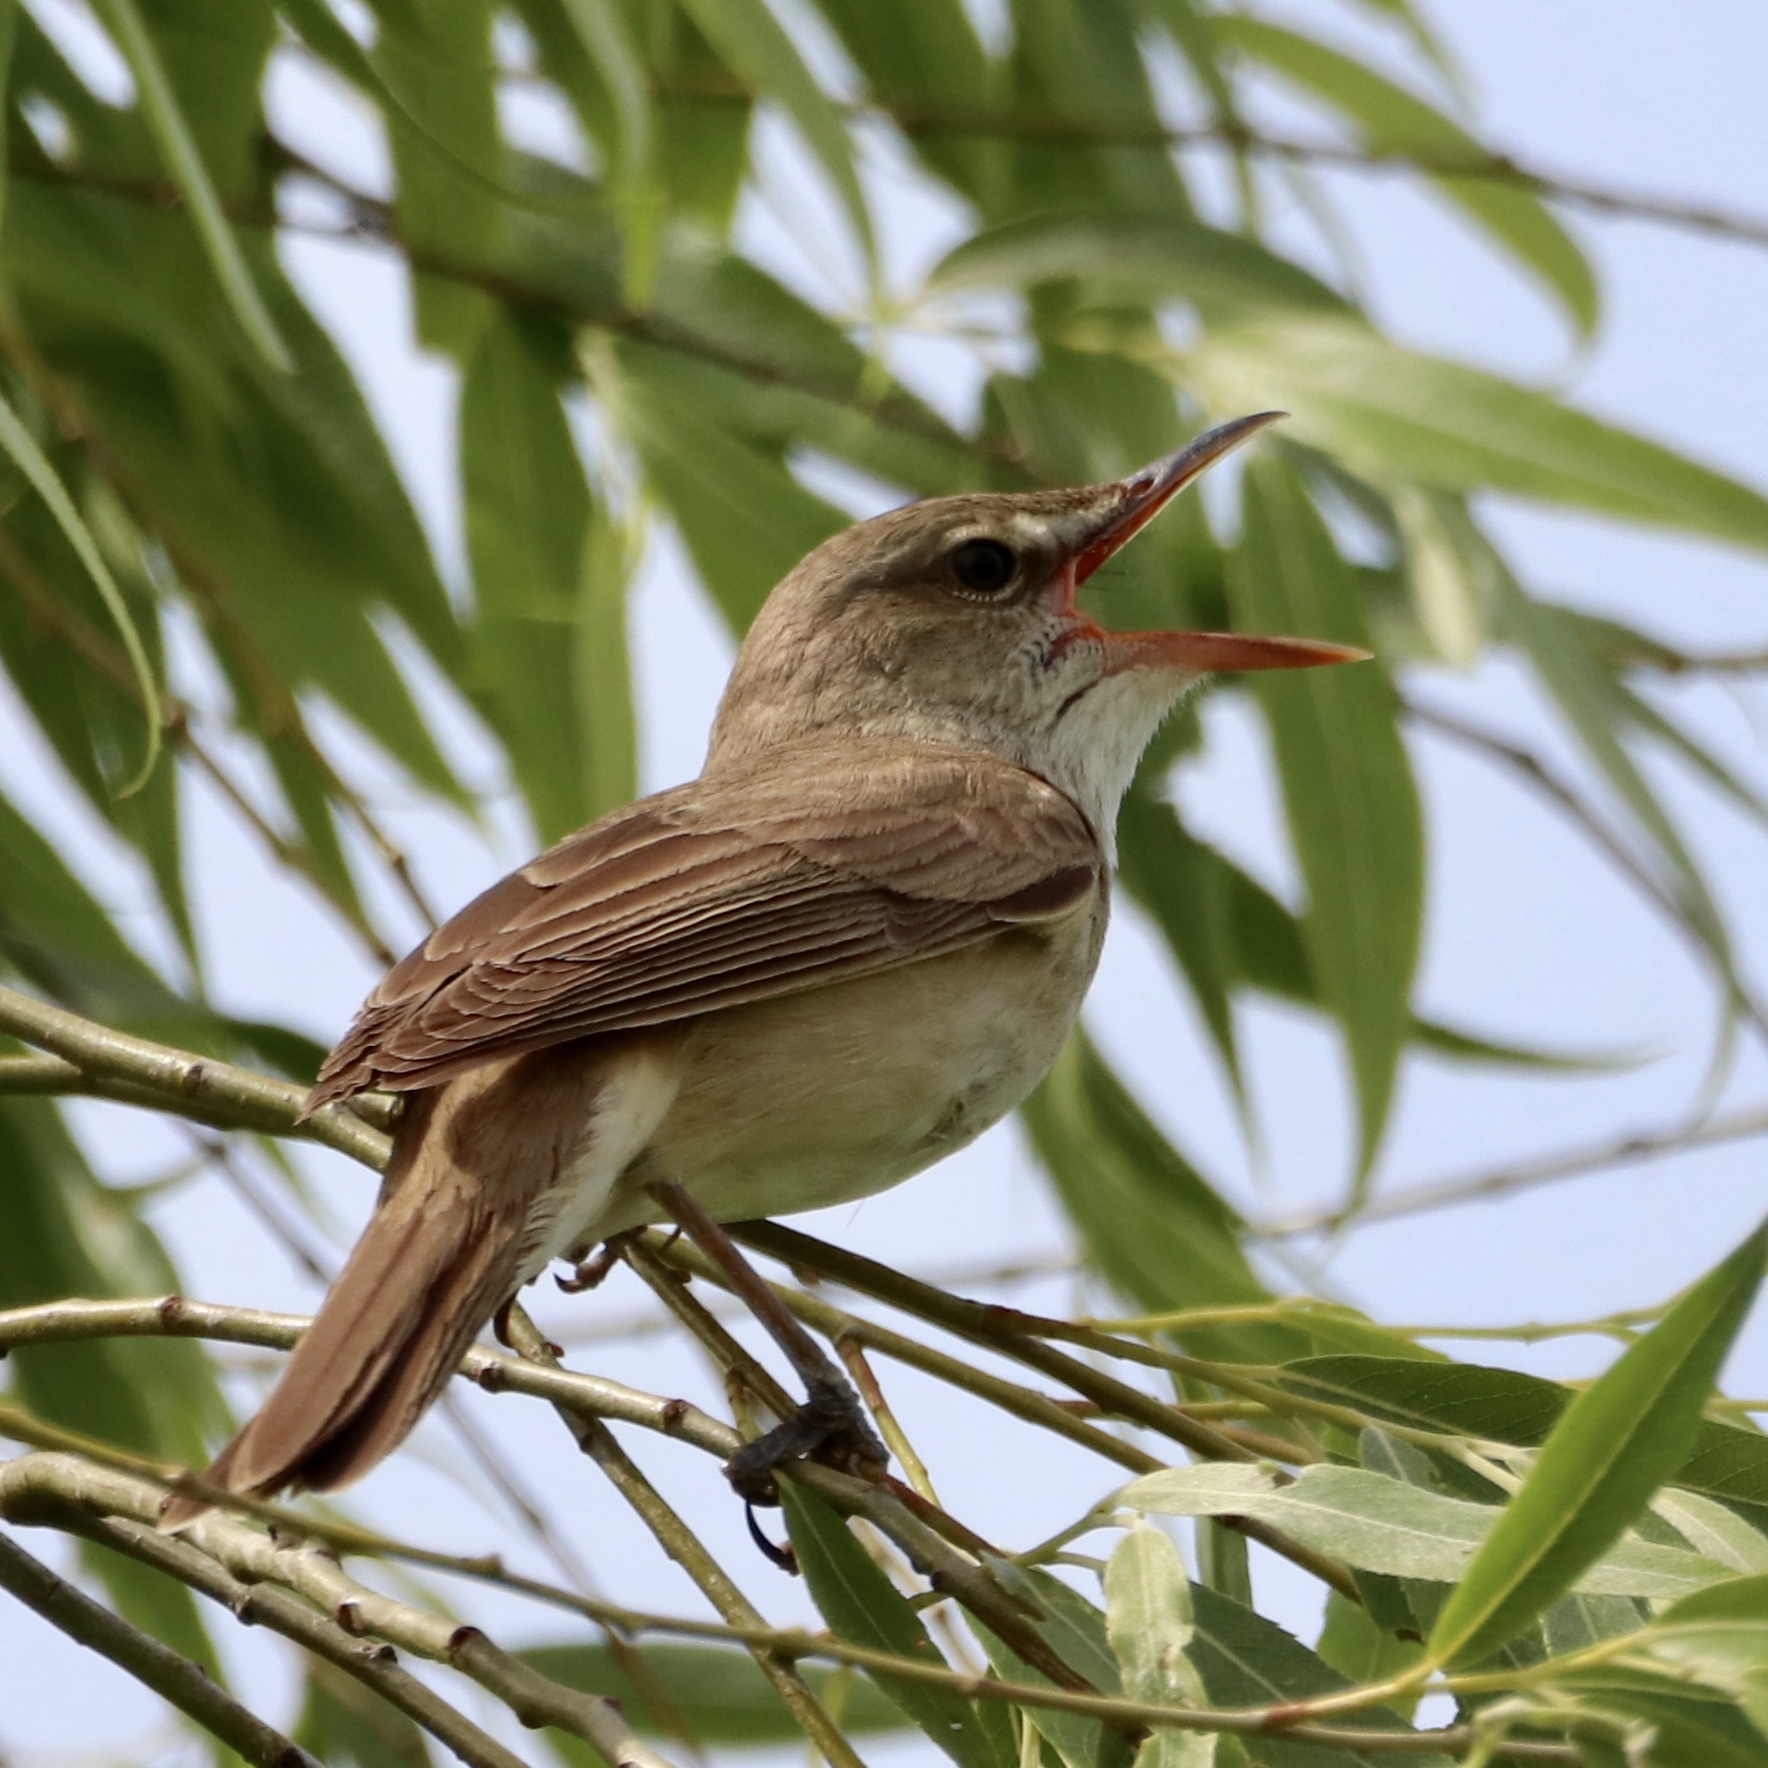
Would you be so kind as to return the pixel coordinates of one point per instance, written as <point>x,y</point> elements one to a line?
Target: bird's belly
<point>818,1098</point>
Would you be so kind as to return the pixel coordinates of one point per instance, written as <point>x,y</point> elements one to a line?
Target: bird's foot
<point>588,1273</point>
<point>831,1425</point>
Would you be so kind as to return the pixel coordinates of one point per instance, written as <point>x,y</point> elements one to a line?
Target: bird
<point>859,938</point>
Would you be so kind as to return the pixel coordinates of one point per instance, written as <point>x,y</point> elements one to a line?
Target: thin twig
<point>1021,1402</point>
<point>1505,1181</point>
<point>174,1678</point>
<point>683,1546</point>
<point>1498,168</point>
<point>982,1324</point>
<point>135,1071</point>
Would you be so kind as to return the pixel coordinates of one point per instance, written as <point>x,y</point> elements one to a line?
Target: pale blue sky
<point>1527,933</point>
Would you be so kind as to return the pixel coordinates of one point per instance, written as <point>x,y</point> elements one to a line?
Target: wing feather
<point>831,864</point>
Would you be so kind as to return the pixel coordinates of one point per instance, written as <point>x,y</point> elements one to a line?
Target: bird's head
<point>957,621</point>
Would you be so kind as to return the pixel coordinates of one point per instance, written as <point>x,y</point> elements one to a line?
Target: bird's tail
<point>433,1265</point>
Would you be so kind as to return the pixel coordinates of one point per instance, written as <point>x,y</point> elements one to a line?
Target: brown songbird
<point>858,939</point>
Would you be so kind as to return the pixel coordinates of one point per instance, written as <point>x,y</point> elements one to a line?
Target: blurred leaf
<point>923,61</point>
<point>343,1722</point>
<point>1619,1440</point>
<point>67,1235</point>
<point>8,29</point>
<point>1587,698</point>
<point>1148,1621</point>
<point>77,683</point>
<point>34,464</point>
<point>165,116</point>
<point>1394,415</point>
<point>863,1607</point>
<point>748,36</point>
<point>1151,1223</point>
<point>1392,120</point>
<point>721,1693</point>
<point>528,514</point>
<point>1453,587</point>
<point>439,63</point>
<point>745,520</point>
<point>1084,65</point>
<point>1356,1645</point>
<point>1129,254</point>
<point>1380,1524</point>
<point>1347,787</point>
<point>1227,932</point>
<point>1185,886</point>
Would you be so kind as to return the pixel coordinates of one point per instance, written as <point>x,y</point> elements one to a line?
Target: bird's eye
<point>984,567</point>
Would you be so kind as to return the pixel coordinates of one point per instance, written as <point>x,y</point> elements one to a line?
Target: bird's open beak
<point>1142,496</point>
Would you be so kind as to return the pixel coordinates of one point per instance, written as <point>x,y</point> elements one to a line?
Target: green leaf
<point>1347,787</point>
<point>1074,1629</point>
<point>1394,121</point>
<point>1693,1727</point>
<point>1721,1636</point>
<point>1712,1529</point>
<point>1085,65</point>
<point>748,36</point>
<point>863,1607</point>
<point>1185,885</point>
<point>722,1694</point>
<point>1150,1221</point>
<point>1246,1660</point>
<point>1727,1463</point>
<point>1148,1621</point>
<point>21,445</point>
<point>165,117</point>
<point>1379,1524</point>
<point>1618,1442</point>
<point>1391,414</point>
<point>1131,256</point>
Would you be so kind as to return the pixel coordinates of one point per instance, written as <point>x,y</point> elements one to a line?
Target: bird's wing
<point>835,863</point>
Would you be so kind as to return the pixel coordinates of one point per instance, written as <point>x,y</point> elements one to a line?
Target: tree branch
<point>135,1071</point>
<point>172,1316</point>
<point>174,1678</point>
<point>56,1481</point>
<point>232,1563</point>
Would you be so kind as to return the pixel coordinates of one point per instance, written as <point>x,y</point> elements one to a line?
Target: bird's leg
<point>831,1418</point>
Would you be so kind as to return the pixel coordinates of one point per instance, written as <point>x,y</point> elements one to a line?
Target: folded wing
<point>831,864</point>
